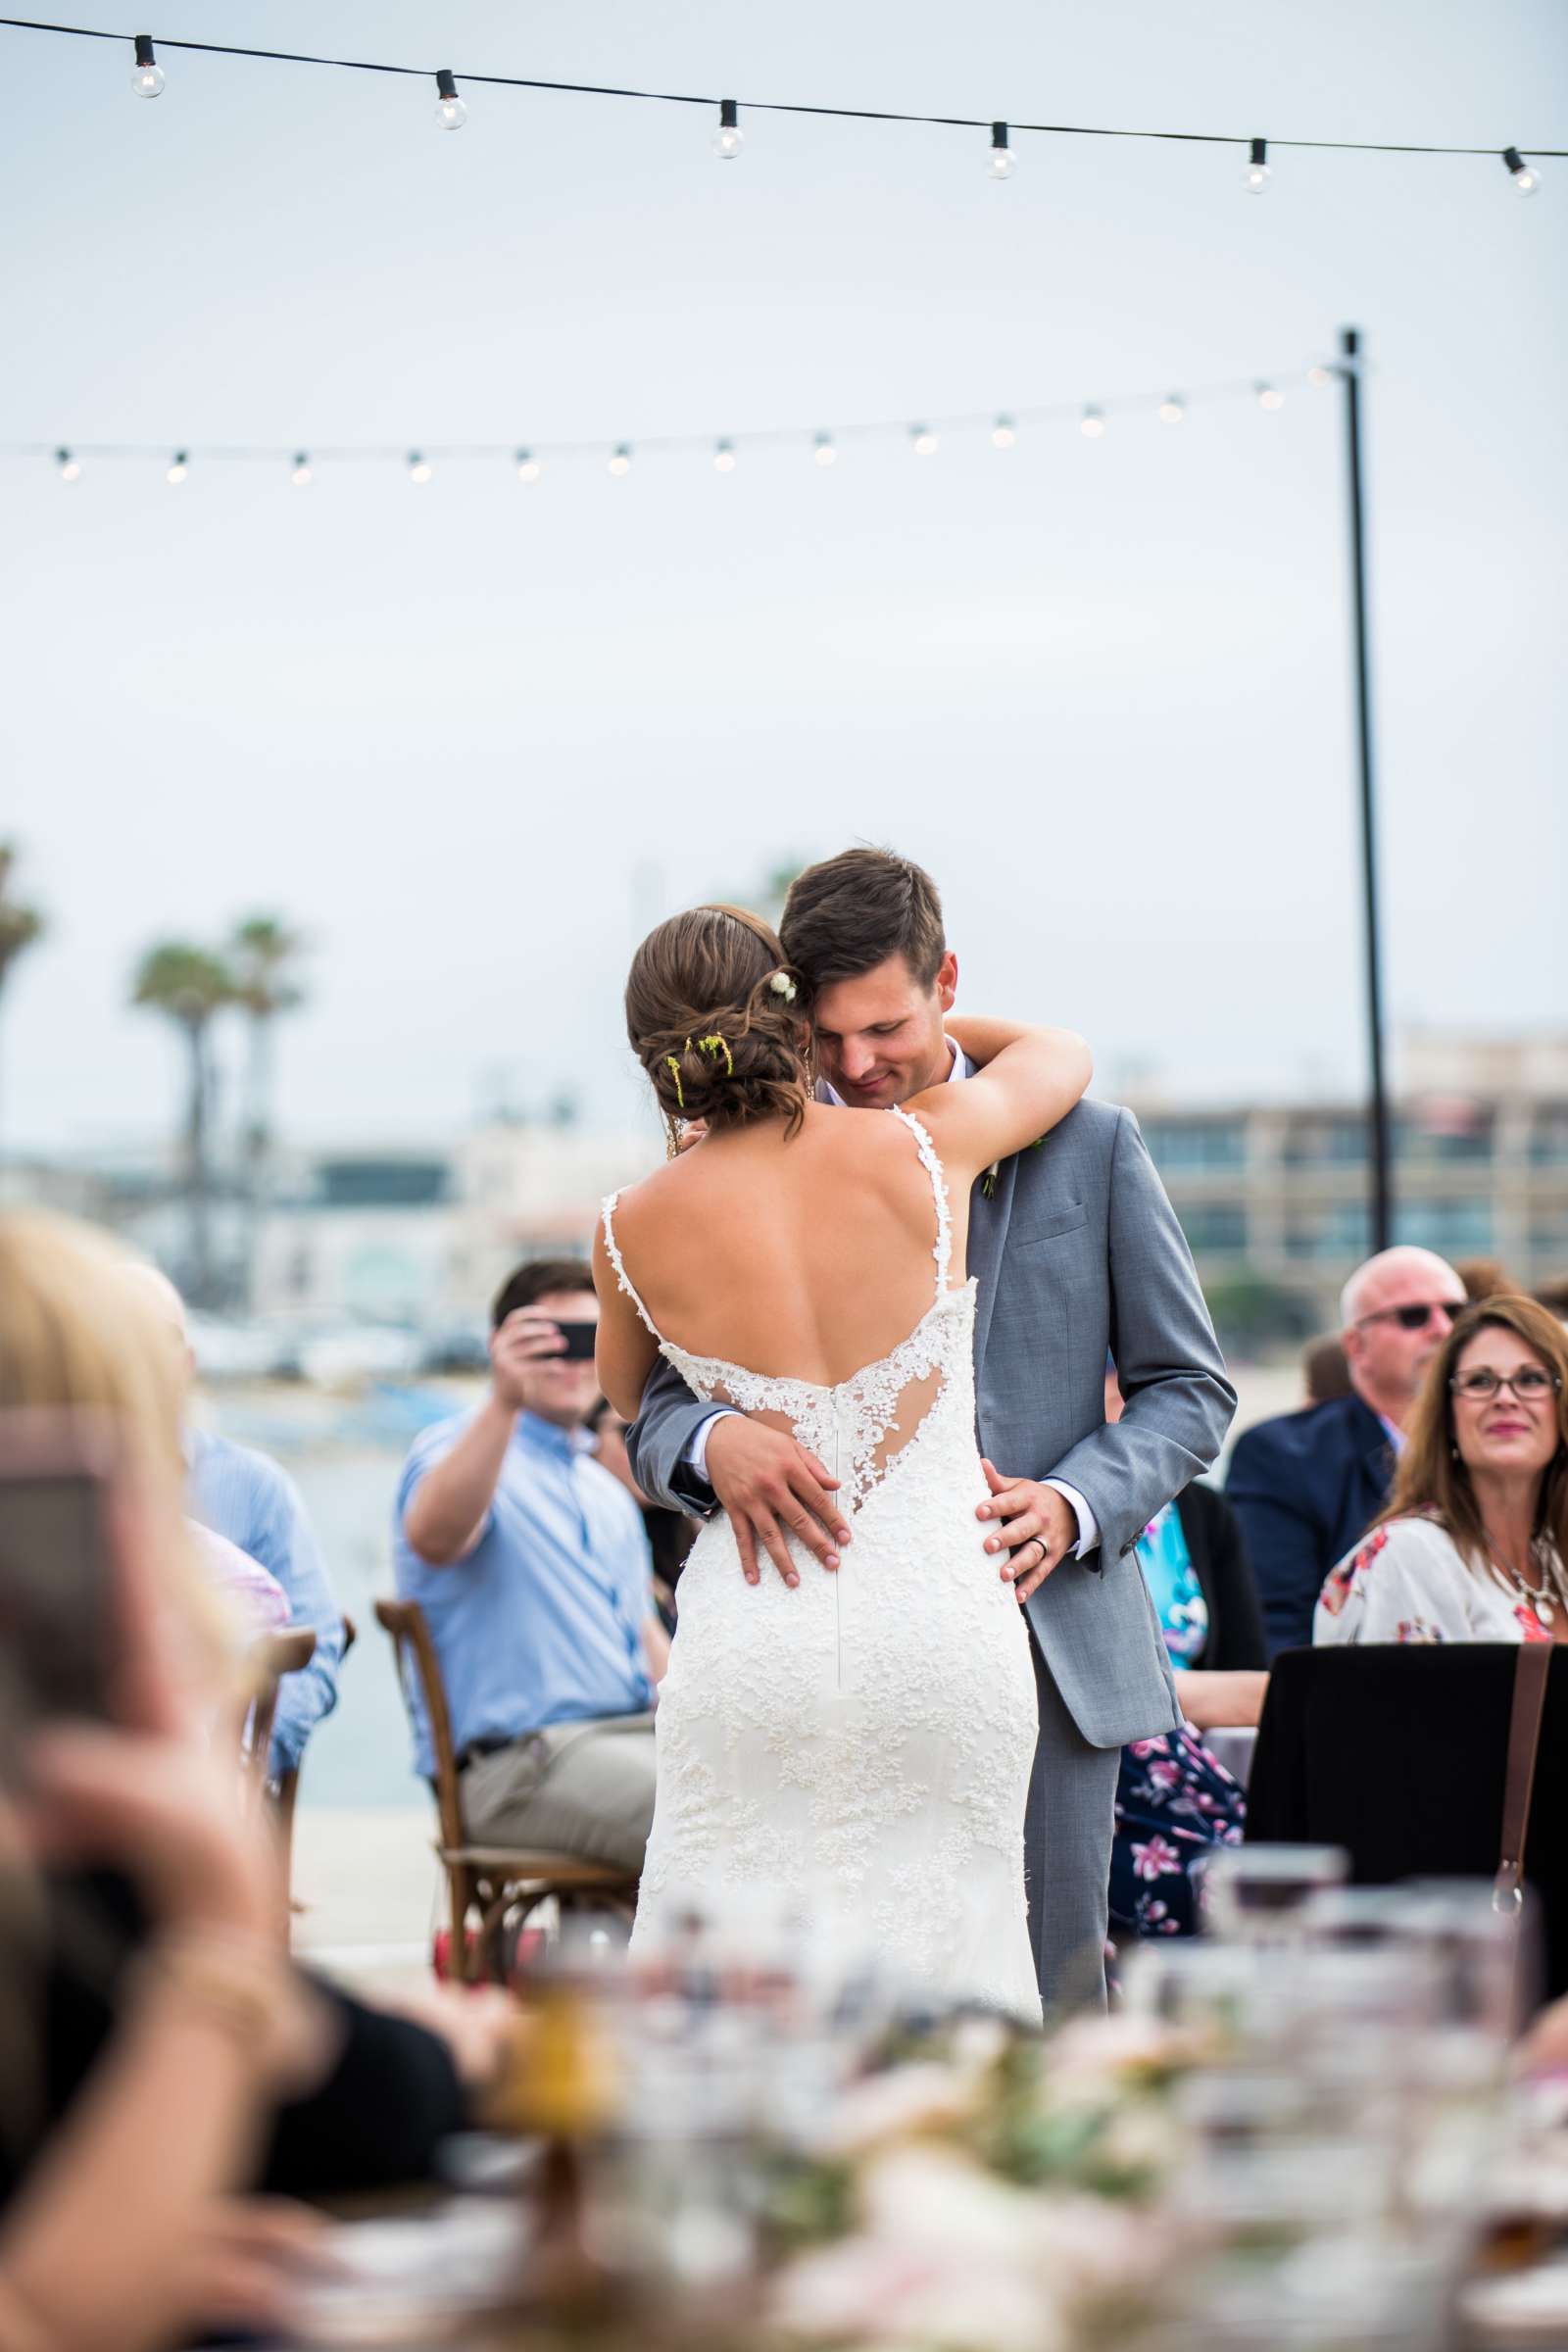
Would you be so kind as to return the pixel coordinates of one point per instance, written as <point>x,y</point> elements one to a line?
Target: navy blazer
<point>1305,1487</point>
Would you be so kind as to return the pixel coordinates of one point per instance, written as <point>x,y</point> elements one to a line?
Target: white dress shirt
<point>1088,1525</point>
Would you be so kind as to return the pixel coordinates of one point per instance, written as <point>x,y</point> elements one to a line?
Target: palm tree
<point>264,952</point>
<point>191,985</point>
<point>19,926</point>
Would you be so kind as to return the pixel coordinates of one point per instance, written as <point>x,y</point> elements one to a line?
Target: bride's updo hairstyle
<point>718,1021</point>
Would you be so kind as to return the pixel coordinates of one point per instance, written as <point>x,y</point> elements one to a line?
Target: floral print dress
<point>1175,1802</point>
<point>1409,1581</point>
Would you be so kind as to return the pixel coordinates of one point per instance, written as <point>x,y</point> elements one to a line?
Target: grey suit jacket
<point>1078,1250</point>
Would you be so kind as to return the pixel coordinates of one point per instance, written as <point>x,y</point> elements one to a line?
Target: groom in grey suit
<point>1076,1253</point>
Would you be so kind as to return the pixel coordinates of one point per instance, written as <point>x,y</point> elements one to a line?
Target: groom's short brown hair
<point>852,912</point>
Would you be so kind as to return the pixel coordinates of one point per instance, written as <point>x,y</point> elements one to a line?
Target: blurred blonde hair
<point>82,1325</point>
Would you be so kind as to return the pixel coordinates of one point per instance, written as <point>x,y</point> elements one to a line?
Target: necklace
<point>1545,1597</point>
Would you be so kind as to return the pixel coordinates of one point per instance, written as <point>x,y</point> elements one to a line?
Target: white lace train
<point>859,1744</point>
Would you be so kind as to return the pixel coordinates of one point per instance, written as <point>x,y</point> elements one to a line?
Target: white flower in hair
<point>783,986</point>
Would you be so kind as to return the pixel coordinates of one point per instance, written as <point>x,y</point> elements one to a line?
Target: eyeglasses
<point>1412,1318</point>
<point>1529,1384</point>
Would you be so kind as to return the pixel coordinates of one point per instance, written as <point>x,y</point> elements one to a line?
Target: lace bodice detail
<point>861,1426</point>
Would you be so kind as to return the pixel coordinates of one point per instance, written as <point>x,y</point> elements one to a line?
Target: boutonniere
<point>988,1182</point>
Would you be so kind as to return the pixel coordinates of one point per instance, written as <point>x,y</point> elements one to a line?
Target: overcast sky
<point>474,738</point>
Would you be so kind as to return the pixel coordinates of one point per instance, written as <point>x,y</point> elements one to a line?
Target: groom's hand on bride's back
<point>771,1488</point>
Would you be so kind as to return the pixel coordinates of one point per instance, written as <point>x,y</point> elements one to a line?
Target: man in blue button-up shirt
<point>531,1565</point>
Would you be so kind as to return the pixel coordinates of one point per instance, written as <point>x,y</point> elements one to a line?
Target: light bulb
<point>723,458</point>
<point>1003,433</point>
<point>823,451</point>
<point>420,470</point>
<point>69,467</point>
<point>302,476</point>
<point>924,440</point>
<point>729,138</point>
<point>1317,377</point>
<point>1093,427</point>
<point>620,462</point>
<point>1001,155</point>
<point>528,466</point>
<point>1255,178</point>
<point>1526,179</point>
<point>1172,408</point>
<point>178,468</point>
<point>450,110</point>
<point>146,74</point>
<point>1269,396</point>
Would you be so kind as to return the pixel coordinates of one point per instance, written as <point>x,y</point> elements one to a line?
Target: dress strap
<point>614,1246</point>
<point>943,1253</point>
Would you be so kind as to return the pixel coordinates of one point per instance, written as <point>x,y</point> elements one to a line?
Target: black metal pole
<point>1377,1107</point>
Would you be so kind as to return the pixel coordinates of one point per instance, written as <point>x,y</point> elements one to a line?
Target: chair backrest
<point>271,1658</point>
<point>412,1646</point>
<point>288,1783</point>
<point>1398,1753</point>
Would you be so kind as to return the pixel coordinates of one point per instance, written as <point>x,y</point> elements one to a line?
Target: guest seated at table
<point>1473,1543</point>
<point>160,2056</point>
<point>1308,1485</point>
<point>252,1504</point>
<point>530,1560</point>
<point>1175,1802</point>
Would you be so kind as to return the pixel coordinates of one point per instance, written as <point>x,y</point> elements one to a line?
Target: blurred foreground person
<point>1175,1802</point>
<point>158,2050</point>
<point>531,1564</point>
<point>1307,1485</point>
<point>252,1502</point>
<point>1473,1543</point>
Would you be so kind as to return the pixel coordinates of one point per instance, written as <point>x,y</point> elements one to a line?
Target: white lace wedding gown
<point>859,1744</point>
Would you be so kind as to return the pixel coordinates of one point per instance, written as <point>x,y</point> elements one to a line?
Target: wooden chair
<point>491,1883</point>
<point>271,1658</point>
<point>286,1792</point>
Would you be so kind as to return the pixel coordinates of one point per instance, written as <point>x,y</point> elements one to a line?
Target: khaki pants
<point>581,1789</point>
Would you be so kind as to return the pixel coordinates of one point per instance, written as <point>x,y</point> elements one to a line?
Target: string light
<point>1002,159</point>
<point>840,114</point>
<point>724,459</point>
<point>1255,178</point>
<point>302,476</point>
<point>1526,179</point>
<point>146,74</point>
<point>69,467</point>
<point>729,138</point>
<point>1003,426</point>
<point>178,468</point>
<point>450,112</point>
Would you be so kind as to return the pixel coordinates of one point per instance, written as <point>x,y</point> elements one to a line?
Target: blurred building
<point>1279,1192</point>
<point>426,1235</point>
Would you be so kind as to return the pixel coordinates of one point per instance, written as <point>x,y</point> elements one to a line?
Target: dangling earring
<point>671,1136</point>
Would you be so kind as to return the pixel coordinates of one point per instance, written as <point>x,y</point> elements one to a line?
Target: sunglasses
<point>1412,1318</point>
<point>1530,1384</point>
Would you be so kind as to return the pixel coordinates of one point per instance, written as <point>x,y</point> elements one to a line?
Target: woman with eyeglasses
<point>1473,1543</point>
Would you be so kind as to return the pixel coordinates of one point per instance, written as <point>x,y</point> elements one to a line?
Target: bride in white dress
<point>858,1742</point>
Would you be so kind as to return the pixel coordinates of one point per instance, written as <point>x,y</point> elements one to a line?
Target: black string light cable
<point>450,112</point>
<point>924,437</point>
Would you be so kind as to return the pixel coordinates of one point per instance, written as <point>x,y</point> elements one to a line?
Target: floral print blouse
<point>1409,1581</point>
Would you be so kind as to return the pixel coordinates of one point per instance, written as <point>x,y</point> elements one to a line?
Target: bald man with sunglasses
<point>1307,1486</point>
